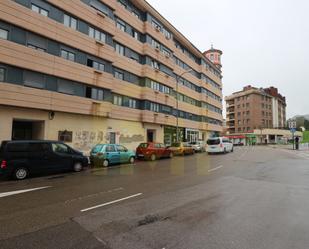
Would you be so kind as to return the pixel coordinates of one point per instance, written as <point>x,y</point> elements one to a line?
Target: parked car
<point>108,154</point>
<point>219,145</point>
<point>20,159</point>
<point>181,149</point>
<point>198,146</point>
<point>153,151</point>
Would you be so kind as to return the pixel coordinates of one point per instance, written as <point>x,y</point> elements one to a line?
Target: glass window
<point>60,148</point>
<point>4,34</point>
<point>67,55</point>
<point>135,14</point>
<point>70,21</point>
<point>119,75</point>
<point>110,148</point>
<point>121,148</point>
<point>98,66</point>
<point>132,103</point>
<point>66,87</point>
<point>155,64</point>
<point>119,49</point>
<point>154,107</point>
<point>39,10</point>
<point>65,136</point>
<point>117,100</point>
<point>135,34</point>
<point>33,79</point>
<point>2,74</point>
<point>96,34</point>
<point>121,25</point>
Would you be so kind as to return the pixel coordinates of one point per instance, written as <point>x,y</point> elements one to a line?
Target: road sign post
<point>292,126</point>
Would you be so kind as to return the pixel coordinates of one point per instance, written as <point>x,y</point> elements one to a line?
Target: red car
<point>153,151</point>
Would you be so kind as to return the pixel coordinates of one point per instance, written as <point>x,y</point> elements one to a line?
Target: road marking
<point>5,194</point>
<point>111,202</point>
<point>214,169</point>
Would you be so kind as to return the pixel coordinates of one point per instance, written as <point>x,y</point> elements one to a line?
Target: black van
<point>19,159</point>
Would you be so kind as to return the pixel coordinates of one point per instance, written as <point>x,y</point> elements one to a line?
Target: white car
<point>219,145</point>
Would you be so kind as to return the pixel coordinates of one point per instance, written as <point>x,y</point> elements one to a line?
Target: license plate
<point>140,155</point>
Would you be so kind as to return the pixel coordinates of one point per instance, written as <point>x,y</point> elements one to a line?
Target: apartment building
<point>103,71</point>
<point>255,108</point>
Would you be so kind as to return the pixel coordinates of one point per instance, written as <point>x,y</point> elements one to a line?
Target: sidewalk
<point>302,147</point>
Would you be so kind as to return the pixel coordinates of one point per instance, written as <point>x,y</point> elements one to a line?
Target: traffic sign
<point>293,130</point>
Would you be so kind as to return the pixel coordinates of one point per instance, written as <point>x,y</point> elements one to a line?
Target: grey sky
<point>265,42</point>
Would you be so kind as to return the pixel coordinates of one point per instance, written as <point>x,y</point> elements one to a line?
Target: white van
<point>219,145</point>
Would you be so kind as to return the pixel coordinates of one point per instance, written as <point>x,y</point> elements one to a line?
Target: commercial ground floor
<point>264,136</point>
<point>84,131</point>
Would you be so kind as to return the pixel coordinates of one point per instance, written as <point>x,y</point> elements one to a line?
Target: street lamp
<point>177,108</point>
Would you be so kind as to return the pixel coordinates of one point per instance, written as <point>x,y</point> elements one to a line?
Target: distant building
<point>255,108</point>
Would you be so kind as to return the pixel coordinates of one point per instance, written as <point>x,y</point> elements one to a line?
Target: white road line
<point>214,169</point>
<point>5,194</point>
<point>111,202</point>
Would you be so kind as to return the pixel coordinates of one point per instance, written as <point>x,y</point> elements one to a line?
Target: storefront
<point>237,140</point>
<point>170,135</point>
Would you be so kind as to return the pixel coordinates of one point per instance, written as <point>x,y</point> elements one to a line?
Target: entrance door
<point>22,130</point>
<point>112,138</point>
<point>150,136</point>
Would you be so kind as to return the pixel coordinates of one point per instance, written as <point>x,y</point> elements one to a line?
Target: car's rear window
<point>213,141</point>
<point>143,145</point>
<point>97,148</point>
<point>17,147</point>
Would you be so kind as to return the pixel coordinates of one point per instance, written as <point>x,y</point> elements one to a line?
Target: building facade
<point>255,108</point>
<point>102,71</point>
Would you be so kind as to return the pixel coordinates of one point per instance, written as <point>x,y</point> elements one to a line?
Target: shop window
<point>65,136</point>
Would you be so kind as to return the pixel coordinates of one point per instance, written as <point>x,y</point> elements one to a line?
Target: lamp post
<point>177,104</point>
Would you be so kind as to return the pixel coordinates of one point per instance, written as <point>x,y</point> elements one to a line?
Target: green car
<point>108,154</point>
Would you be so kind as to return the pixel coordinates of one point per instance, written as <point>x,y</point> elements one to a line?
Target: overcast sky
<point>265,42</point>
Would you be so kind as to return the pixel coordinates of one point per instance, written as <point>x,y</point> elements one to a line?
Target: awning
<point>236,137</point>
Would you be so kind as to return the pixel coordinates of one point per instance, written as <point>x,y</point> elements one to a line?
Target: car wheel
<point>132,160</point>
<point>153,157</point>
<point>232,149</point>
<point>77,167</point>
<point>171,155</point>
<point>224,151</point>
<point>105,163</point>
<point>21,173</point>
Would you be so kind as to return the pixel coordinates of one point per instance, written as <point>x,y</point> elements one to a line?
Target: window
<point>36,42</point>
<point>121,25</point>
<point>166,52</point>
<point>33,79</point>
<point>70,21</point>
<point>121,148</point>
<point>166,33</point>
<point>117,100</point>
<point>39,10</point>
<point>155,44</point>
<point>132,103</point>
<point>119,49</point>
<point>66,87</point>
<point>65,136</point>
<point>119,75</point>
<point>96,34</point>
<point>110,148</point>
<point>154,107</point>
<point>156,25</point>
<point>60,148</point>
<point>135,14</point>
<point>135,34</point>
<point>67,55</point>
<point>98,66</point>
<point>155,64</point>
<point>155,86</point>
<point>94,93</point>
<point>2,74</point>
<point>4,34</point>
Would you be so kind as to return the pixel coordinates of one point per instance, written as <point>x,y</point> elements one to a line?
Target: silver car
<point>198,146</point>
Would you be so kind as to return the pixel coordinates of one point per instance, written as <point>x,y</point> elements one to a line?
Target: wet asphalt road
<point>254,198</point>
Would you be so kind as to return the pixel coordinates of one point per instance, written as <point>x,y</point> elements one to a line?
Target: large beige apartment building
<point>90,71</point>
<point>255,108</point>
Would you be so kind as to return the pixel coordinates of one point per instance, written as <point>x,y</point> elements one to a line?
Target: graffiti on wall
<point>126,139</point>
<point>85,140</point>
